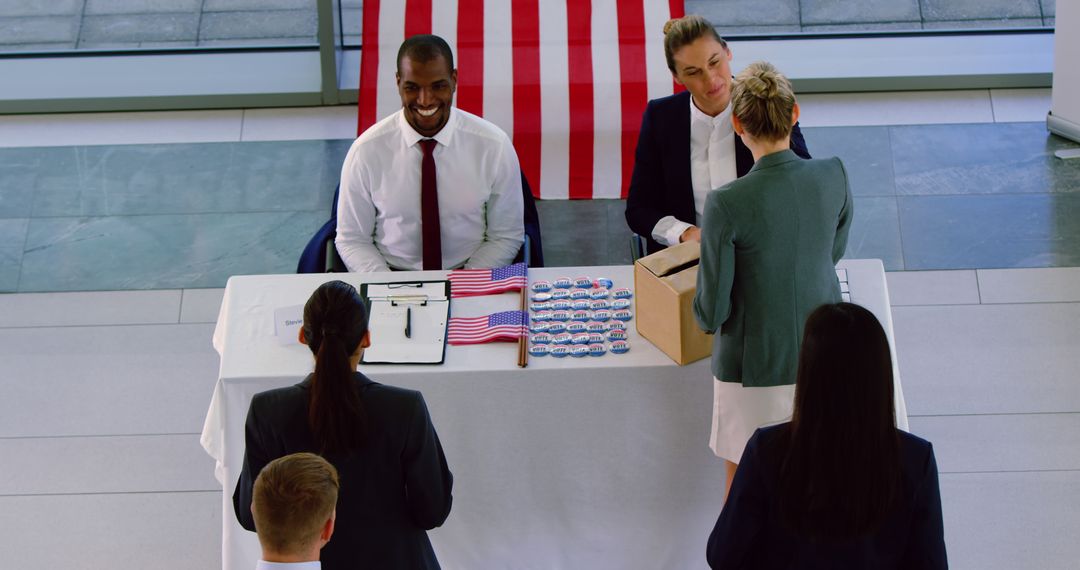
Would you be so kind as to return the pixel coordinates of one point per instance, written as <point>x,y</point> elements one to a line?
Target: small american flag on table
<point>507,325</point>
<point>471,282</point>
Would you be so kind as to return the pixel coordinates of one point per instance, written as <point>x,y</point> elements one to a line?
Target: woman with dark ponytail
<point>838,486</point>
<point>395,483</point>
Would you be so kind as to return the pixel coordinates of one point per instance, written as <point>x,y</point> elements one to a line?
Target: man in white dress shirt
<point>294,502</point>
<point>389,219</point>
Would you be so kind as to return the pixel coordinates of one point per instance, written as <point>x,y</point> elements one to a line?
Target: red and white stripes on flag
<point>504,326</point>
<point>563,78</point>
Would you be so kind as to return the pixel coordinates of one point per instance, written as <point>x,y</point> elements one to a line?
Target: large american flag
<point>563,78</point>
<point>472,282</point>
<point>507,325</point>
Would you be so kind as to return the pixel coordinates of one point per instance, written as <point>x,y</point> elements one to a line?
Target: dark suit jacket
<point>392,490</point>
<point>660,185</point>
<point>751,534</point>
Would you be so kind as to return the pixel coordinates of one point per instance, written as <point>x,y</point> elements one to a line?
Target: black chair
<point>320,255</point>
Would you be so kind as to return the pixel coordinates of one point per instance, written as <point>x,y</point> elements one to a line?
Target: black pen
<point>408,322</point>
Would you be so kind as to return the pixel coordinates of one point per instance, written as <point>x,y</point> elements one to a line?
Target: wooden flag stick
<point>523,341</point>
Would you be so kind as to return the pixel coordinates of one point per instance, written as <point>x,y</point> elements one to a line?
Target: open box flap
<point>672,259</point>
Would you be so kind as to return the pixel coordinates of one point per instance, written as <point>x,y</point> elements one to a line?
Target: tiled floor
<point>103,393</point>
<point>110,24</point>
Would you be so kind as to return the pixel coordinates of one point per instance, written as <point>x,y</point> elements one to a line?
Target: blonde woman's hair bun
<point>762,82</point>
<point>670,24</point>
<point>763,101</point>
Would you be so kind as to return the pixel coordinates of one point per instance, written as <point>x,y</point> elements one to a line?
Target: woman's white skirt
<point>739,410</point>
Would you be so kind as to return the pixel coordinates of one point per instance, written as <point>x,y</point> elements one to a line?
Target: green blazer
<point>769,246</point>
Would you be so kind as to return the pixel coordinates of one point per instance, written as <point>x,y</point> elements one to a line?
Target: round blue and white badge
<point>559,351</point>
<point>541,316</point>
<point>580,316</point>
<point>558,294</point>
<point>616,334</point>
<point>541,286</point>
<point>600,304</point>
<point>601,293</point>
<point>580,338</point>
<point>539,350</point>
<point>578,294</point>
<point>596,327</point>
<point>622,315</point>
<point>619,347</point>
<point>597,349</point>
<point>583,283</point>
<point>556,327</point>
<point>576,327</point>
<point>539,327</point>
<point>541,297</point>
<point>580,305</point>
<point>579,351</point>
<point>621,293</point>
<point>563,283</point>
<point>601,315</point>
<point>562,305</point>
<point>596,338</point>
<point>562,338</point>
<point>540,306</point>
<point>621,304</point>
<point>541,338</point>
<point>603,282</point>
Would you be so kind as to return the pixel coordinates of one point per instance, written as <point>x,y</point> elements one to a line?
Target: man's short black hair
<point>423,48</point>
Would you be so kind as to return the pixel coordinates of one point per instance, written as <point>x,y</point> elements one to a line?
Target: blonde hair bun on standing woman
<point>763,101</point>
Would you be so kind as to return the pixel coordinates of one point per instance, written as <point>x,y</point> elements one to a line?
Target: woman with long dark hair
<point>395,483</point>
<point>839,486</point>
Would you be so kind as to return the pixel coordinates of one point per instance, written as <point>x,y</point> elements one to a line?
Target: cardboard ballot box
<point>664,286</point>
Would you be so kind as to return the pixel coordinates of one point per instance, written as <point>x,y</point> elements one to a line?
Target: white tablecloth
<point>569,463</point>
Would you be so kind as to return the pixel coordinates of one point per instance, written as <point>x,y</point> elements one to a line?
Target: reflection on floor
<point>104,392</point>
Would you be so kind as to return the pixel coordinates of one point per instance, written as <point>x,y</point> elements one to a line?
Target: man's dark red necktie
<point>429,208</point>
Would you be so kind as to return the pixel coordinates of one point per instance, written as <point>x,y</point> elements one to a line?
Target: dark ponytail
<point>335,321</point>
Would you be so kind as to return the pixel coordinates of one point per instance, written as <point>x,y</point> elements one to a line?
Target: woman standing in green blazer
<point>769,246</point>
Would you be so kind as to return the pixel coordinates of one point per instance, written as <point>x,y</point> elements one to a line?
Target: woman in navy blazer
<point>395,483</point>
<point>839,486</point>
<point>661,186</point>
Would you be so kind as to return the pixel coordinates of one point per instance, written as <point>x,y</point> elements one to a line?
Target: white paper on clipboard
<point>424,306</point>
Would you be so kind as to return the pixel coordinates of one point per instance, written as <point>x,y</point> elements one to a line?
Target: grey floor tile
<point>1048,8</point>
<point>979,9</point>
<point>981,159</point>
<point>27,173</point>
<point>201,305</point>
<point>1044,285</point>
<point>842,12</point>
<point>932,288</point>
<point>139,28</point>
<point>258,24</point>
<point>1014,442</point>
<point>161,252</point>
<point>9,8</point>
<point>239,5</point>
<point>12,239</point>
<point>118,380</point>
<point>352,22</point>
<point>106,7</point>
<point>875,232</point>
<point>989,24</point>
<point>164,531</point>
<point>865,151</point>
<point>1012,520</point>
<point>39,29</point>
<point>746,12</point>
<point>754,30</point>
<point>260,42</point>
<point>863,27</point>
<point>90,308</point>
<point>575,232</point>
<point>618,239</point>
<point>989,359</point>
<point>37,47</point>
<point>108,464</point>
<point>990,232</point>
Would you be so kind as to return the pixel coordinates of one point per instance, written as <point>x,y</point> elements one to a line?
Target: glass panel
<point>65,25</point>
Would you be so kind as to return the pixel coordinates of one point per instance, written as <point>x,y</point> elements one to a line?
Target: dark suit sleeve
<point>798,143</point>
<point>644,201</point>
<point>926,546</point>
<point>739,528</point>
<point>255,458</point>
<point>843,225</point>
<point>716,271</point>
<point>428,481</point>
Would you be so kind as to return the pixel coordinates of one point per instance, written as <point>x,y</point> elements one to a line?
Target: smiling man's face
<point>427,90</point>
